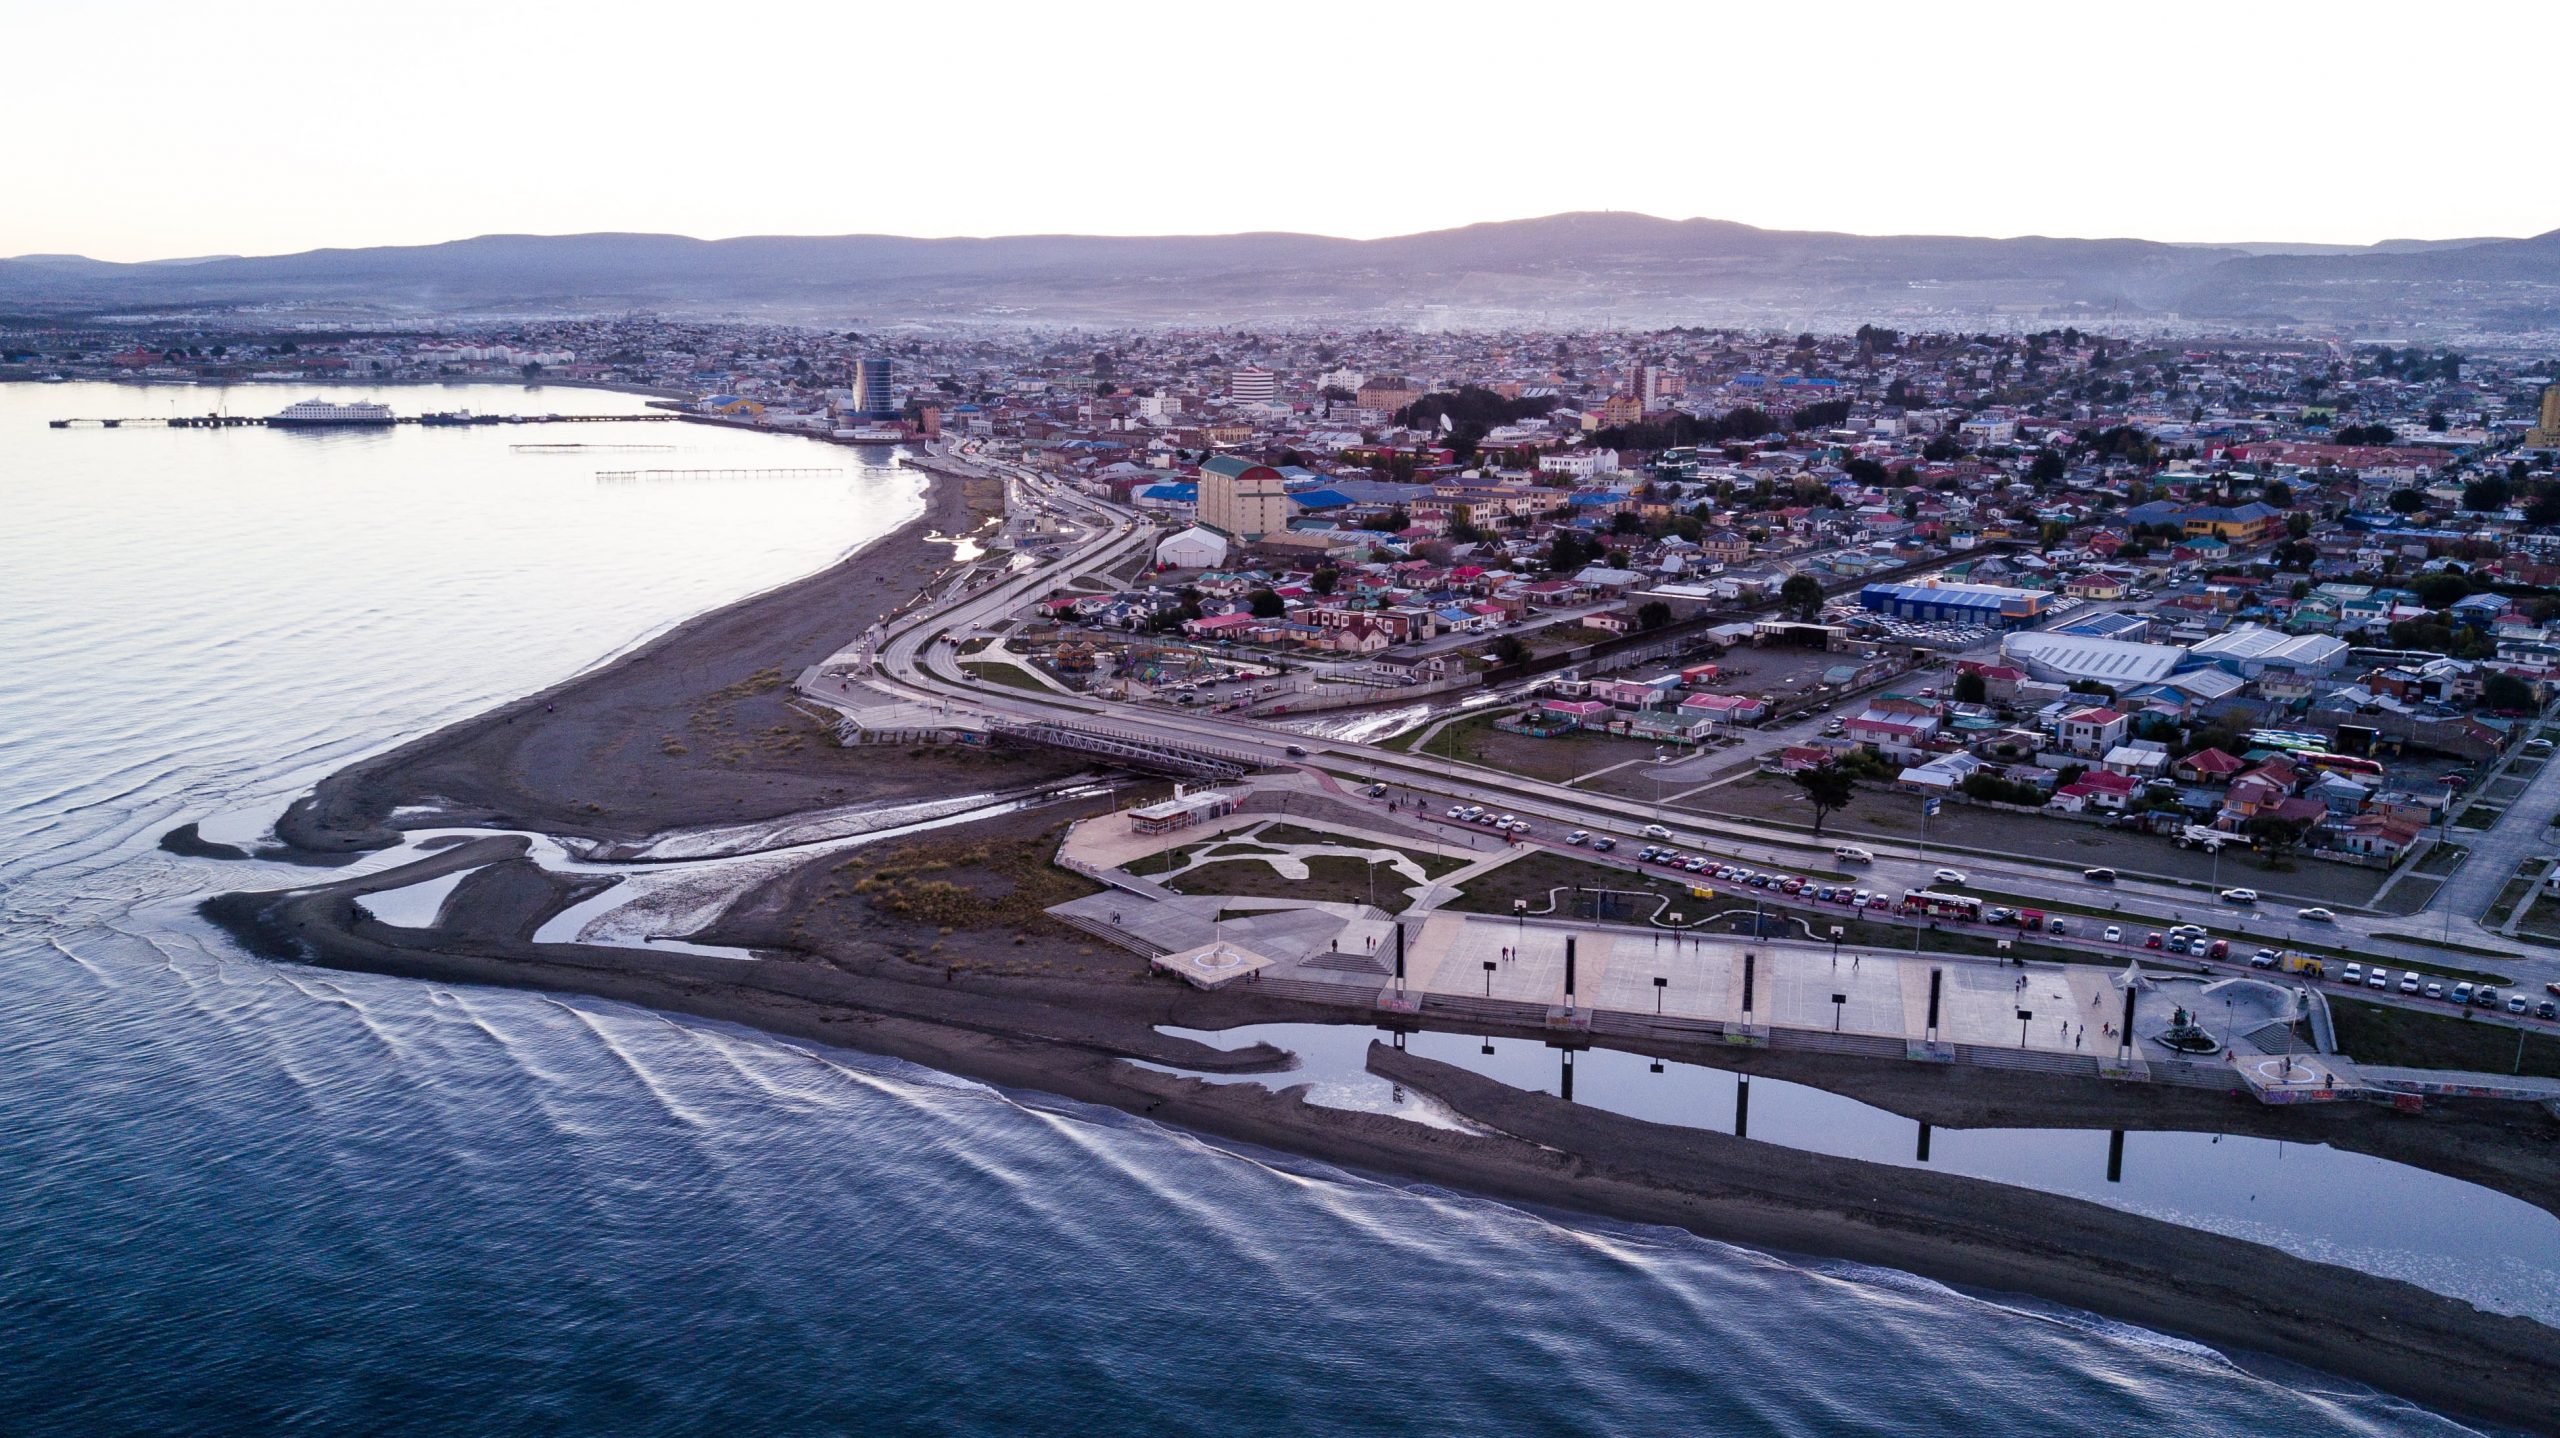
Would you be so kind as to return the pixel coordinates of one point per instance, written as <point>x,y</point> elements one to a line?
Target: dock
<point>431,421</point>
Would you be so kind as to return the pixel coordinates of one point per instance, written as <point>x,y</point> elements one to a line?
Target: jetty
<point>436,421</point>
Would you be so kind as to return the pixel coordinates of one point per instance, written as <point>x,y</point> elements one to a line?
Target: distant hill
<point>1561,268</point>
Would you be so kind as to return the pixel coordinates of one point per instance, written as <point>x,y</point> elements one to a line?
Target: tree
<point>2505,691</point>
<point>1326,579</point>
<point>1265,604</point>
<point>2406,501</point>
<point>2487,493</point>
<point>1801,596</point>
<point>2278,493</point>
<point>1509,649</point>
<point>2047,468</point>
<point>1969,688</point>
<point>1652,615</point>
<point>1827,787</point>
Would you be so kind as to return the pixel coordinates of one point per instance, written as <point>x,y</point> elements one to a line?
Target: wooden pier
<point>431,421</point>
<point>640,476</point>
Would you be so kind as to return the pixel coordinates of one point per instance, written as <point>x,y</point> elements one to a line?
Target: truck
<point>2294,961</point>
<point>2197,834</point>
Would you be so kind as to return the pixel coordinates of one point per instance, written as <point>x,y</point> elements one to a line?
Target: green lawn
<point>1331,879</point>
<point>2406,1038</point>
<point>1012,676</point>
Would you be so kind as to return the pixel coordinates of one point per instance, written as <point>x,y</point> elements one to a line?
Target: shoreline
<point>1968,1233</point>
<point>898,989</point>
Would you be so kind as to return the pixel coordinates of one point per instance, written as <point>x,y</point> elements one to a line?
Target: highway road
<point>918,659</point>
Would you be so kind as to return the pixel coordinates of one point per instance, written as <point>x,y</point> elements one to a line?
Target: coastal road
<point>912,661</point>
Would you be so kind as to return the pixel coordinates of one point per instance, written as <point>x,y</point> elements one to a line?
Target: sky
<point>149,130</point>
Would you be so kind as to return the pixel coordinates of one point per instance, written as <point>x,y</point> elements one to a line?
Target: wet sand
<point>694,728</point>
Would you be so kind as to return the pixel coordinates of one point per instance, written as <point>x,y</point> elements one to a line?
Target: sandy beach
<point>934,949</point>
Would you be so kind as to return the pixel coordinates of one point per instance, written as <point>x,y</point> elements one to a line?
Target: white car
<point>1950,876</point>
<point>1578,836</point>
<point>1656,831</point>
<point>2317,916</point>
<point>2239,896</point>
<point>2115,935</point>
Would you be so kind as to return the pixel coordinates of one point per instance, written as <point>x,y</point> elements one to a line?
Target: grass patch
<point>2479,816</point>
<point>2408,1038</point>
<point>1537,872</point>
<point>2407,896</point>
<point>1012,676</point>
<point>2440,859</point>
<point>1431,865</point>
<point>1331,879</point>
<point>969,886</point>
<point>2542,921</point>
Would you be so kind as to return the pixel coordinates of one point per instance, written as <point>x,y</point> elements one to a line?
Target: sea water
<point>243,1197</point>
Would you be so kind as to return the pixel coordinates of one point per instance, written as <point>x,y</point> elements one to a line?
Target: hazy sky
<point>146,130</point>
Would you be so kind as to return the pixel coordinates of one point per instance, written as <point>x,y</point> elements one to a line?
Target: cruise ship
<point>314,413</point>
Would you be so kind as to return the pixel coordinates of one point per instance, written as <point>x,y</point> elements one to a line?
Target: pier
<point>432,421</point>
<point>640,476</point>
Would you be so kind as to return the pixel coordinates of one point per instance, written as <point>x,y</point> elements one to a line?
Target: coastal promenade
<point>918,663</point>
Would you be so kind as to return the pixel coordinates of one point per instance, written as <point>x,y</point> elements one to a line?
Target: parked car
<point>2153,940</point>
<point>2263,959</point>
<point>2409,983</point>
<point>2115,934</point>
<point>2317,916</point>
<point>2435,991</point>
<point>2462,993</point>
<point>2221,949</point>
<point>2353,975</point>
<point>2380,979</point>
<point>2515,1003</point>
<point>2060,927</point>
<point>2485,996</point>
<point>2546,1010</point>
<point>2239,896</point>
<point>1949,876</point>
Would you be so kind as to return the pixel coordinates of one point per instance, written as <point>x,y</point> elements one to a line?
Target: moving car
<point>2099,876</point>
<point>1950,876</point>
<point>1604,843</point>
<point>1852,854</point>
<point>1656,831</point>
<point>1374,791</point>
<point>2317,916</point>
<point>1295,751</point>
<point>1578,837</point>
<point>2239,896</point>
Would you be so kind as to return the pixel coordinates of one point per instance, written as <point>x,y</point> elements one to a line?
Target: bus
<point>2339,763</point>
<point>1941,906</point>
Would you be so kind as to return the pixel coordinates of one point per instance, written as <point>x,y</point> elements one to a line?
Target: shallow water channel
<point>2322,1203</point>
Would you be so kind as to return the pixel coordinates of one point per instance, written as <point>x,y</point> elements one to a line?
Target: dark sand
<point>694,728</point>
<point>934,950</point>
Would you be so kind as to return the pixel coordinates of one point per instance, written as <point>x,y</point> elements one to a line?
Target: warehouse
<point>2252,650</point>
<point>2069,658</point>
<point>1989,606</point>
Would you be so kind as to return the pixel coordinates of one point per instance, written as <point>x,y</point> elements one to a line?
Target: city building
<point>1245,499</point>
<point>1252,386</point>
<point>871,399</point>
